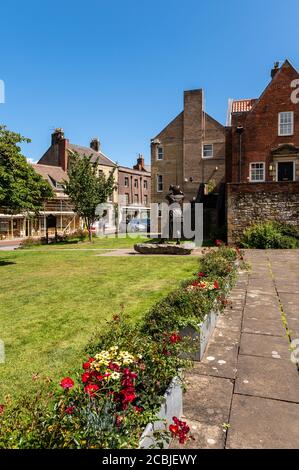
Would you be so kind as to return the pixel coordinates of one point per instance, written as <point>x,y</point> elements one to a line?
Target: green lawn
<point>52,301</point>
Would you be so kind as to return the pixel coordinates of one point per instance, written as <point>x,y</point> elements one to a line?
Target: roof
<point>242,106</point>
<point>50,173</point>
<point>144,172</point>
<point>87,151</point>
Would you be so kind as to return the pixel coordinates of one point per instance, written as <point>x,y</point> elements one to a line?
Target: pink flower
<point>67,383</point>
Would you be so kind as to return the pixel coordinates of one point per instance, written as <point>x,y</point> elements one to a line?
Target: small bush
<point>270,235</point>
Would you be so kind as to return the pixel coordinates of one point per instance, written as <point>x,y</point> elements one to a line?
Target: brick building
<point>262,155</point>
<point>57,156</point>
<point>190,152</point>
<point>134,189</point>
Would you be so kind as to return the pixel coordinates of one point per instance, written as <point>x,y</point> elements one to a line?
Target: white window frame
<point>159,147</point>
<point>126,181</point>
<point>162,183</point>
<point>280,133</point>
<point>250,172</point>
<point>203,147</point>
<point>286,161</point>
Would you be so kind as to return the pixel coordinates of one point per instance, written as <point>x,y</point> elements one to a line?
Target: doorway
<point>285,171</point>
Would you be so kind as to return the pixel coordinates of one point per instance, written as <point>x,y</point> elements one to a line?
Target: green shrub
<point>270,235</point>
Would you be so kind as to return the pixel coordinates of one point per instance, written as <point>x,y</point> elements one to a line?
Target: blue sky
<point>117,69</point>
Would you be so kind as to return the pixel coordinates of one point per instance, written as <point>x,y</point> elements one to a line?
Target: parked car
<point>139,225</point>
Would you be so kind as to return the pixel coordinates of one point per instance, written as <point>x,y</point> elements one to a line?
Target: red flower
<point>86,365</point>
<point>201,274</point>
<point>218,242</point>
<point>216,285</point>
<point>113,366</point>
<point>174,429</point>
<point>139,409</point>
<point>86,377</point>
<point>1,409</point>
<point>67,383</point>
<point>70,410</point>
<point>91,389</point>
<point>174,338</point>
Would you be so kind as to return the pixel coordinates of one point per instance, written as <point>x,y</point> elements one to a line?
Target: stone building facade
<point>262,154</point>
<point>190,152</point>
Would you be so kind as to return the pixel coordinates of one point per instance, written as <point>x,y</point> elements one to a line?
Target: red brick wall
<point>261,127</point>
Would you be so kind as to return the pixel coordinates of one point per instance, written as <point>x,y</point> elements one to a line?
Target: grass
<point>99,243</point>
<point>52,301</point>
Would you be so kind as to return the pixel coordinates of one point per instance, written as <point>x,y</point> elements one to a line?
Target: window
<point>127,198</point>
<point>145,185</point>
<point>136,199</point>
<point>159,183</point>
<point>126,181</point>
<point>207,151</point>
<point>135,183</point>
<point>160,153</point>
<point>257,172</point>
<point>286,123</point>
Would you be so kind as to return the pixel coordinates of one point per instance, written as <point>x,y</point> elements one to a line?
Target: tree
<point>87,187</point>
<point>21,188</point>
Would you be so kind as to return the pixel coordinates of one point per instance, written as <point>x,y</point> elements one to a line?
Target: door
<point>285,171</point>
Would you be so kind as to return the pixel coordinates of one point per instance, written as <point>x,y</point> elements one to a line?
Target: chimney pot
<point>57,135</point>
<point>95,144</point>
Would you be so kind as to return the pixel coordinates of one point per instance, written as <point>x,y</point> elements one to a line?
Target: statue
<point>176,197</point>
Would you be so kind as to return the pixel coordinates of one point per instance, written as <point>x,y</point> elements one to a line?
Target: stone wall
<point>248,203</point>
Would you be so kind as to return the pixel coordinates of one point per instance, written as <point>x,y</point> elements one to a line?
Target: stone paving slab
<point>259,423</point>
<point>268,378</point>
<point>264,346</point>
<point>261,326</point>
<point>219,361</point>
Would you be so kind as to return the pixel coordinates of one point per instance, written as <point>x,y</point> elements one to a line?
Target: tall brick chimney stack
<point>193,138</point>
<point>59,142</point>
<point>275,69</point>
<point>57,136</point>
<point>140,163</point>
<point>95,144</point>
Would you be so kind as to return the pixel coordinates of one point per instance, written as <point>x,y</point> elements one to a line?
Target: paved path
<point>245,393</point>
<point>10,245</point>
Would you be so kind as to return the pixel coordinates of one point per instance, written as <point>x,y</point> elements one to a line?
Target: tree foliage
<point>87,187</point>
<point>21,188</point>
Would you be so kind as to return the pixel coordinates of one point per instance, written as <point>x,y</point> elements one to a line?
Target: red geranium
<point>216,285</point>
<point>86,377</point>
<point>70,410</point>
<point>174,338</point>
<point>201,274</point>
<point>174,429</point>
<point>179,429</point>
<point>91,389</point>
<point>67,383</point>
<point>218,242</point>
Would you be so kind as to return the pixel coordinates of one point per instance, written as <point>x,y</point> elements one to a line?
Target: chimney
<point>57,136</point>
<point>95,144</point>
<point>275,69</point>
<point>193,128</point>
<point>140,163</point>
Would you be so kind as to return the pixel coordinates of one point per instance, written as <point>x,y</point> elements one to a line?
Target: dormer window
<point>286,123</point>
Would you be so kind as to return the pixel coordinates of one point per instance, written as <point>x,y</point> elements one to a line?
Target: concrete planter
<point>203,335</point>
<point>172,406</point>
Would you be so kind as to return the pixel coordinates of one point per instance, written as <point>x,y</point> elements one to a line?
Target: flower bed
<point>124,384</point>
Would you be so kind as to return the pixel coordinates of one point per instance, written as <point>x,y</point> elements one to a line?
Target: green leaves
<point>87,186</point>
<point>21,188</point>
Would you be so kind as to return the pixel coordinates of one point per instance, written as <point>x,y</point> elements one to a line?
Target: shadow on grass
<point>3,262</point>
